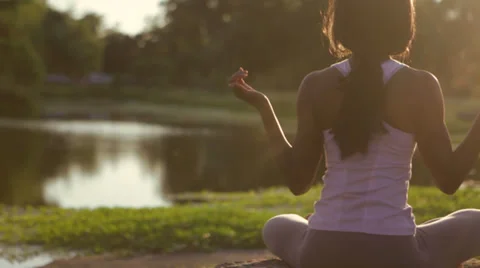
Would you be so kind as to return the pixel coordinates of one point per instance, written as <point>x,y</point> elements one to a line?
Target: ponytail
<point>361,114</point>
<point>370,30</point>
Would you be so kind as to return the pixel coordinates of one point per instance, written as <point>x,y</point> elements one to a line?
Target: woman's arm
<point>449,167</point>
<point>299,162</point>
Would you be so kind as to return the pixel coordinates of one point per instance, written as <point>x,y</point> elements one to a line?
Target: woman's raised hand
<point>244,91</point>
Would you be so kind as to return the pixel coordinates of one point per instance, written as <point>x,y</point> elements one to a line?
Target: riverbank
<point>201,109</point>
<point>193,107</point>
<point>166,114</point>
<point>219,222</point>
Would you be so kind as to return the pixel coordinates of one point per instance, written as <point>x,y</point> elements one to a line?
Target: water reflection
<point>21,171</point>
<point>87,164</point>
<point>37,261</point>
<point>235,161</point>
<point>106,173</point>
<point>77,164</point>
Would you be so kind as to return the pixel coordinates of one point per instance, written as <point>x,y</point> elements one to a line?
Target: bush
<point>14,103</point>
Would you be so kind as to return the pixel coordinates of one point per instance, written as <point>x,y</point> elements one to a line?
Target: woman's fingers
<point>237,82</point>
<point>240,85</point>
<point>240,74</point>
<point>237,77</point>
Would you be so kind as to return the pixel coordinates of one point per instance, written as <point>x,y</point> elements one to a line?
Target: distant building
<point>58,79</point>
<point>97,78</point>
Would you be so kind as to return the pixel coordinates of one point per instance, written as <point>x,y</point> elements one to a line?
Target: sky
<point>129,15</point>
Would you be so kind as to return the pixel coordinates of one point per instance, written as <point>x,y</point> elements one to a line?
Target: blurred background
<point>124,103</point>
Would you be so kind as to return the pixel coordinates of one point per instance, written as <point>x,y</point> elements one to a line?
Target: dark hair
<point>371,31</point>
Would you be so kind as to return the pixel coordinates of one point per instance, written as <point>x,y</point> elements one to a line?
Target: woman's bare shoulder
<point>320,80</point>
<point>420,75</point>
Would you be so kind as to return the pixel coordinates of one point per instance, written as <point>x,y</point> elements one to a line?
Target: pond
<point>87,164</point>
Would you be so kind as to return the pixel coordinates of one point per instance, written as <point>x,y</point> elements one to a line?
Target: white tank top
<point>368,193</point>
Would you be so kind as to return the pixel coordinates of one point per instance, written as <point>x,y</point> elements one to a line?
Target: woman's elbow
<point>448,191</point>
<point>298,189</point>
<point>449,186</point>
<point>298,192</point>
<point>299,180</point>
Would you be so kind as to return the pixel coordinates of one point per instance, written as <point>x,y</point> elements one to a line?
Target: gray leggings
<point>441,243</point>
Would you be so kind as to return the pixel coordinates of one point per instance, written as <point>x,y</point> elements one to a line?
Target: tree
<point>119,54</point>
<point>73,47</point>
<point>85,46</point>
<point>21,60</point>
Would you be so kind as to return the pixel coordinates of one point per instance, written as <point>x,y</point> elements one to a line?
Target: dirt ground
<point>191,260</point>
<point>237,258</point>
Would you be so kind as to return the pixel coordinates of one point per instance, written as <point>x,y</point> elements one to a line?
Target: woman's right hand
<point>244,91</point>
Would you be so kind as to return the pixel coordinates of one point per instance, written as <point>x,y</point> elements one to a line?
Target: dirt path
<point>192,260</point>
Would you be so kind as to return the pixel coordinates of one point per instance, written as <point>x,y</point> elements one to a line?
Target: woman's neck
<point>380,59</point>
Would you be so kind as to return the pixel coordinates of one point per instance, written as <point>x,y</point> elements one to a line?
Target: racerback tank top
<point>368,193</point>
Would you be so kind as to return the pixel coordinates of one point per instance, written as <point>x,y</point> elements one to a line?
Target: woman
<point>366,115</point>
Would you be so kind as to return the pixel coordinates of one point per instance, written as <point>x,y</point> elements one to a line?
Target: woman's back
<point>367,193</point>
<point>367,121</point>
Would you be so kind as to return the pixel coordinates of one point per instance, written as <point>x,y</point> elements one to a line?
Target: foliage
<point>200,42</point>
<point>17,103</point>
<point>21,62</point>
<point>73,47</point>
<point>281,41</point>
<point>37,39</point>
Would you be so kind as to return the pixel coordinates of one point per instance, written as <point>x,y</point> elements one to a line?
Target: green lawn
<point>224,221</point>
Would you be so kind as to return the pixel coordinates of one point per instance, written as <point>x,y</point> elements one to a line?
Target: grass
<point>224,221</point>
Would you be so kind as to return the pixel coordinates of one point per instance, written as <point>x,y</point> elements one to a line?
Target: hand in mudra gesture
<point>244,91</point>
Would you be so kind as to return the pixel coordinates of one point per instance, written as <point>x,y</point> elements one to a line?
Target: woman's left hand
<point>244,91</point>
